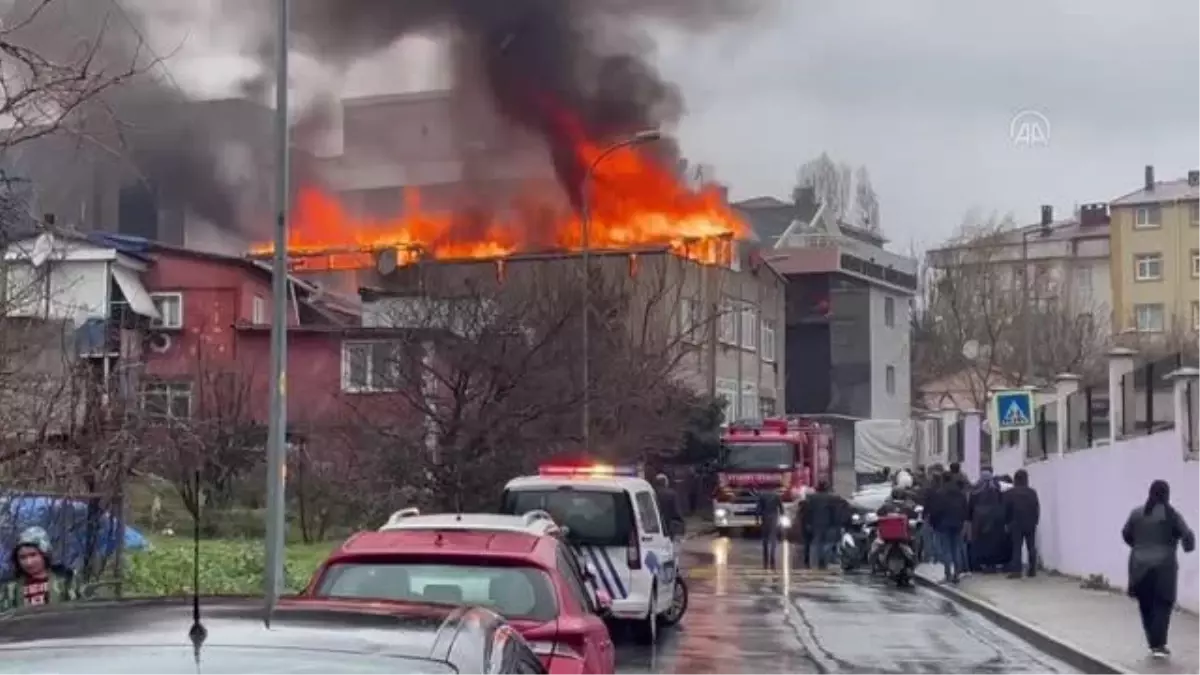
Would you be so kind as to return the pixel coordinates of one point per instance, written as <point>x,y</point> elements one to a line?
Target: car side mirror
<point>603,602</point>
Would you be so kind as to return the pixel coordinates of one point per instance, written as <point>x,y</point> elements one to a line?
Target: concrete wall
<point>890,347</point>
<point>1087,495</point>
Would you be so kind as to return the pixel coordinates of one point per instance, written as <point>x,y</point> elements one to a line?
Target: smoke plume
<point>147,125</point>
<point>563,69</point>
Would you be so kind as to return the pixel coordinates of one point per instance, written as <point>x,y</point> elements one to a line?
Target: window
<point>568,568</point>
<point>749,404</point>
<point>591,517</point>
<point>889,312</point>
<point>170,310</point>
<point>749,328</point>
<point>1194,213</point>
<point>648,512</point>
<point>1195,263</point>
<point>512,591</point>
<point>1147,216</point>
<point>1148,267</point>
<point>1149,318</point>
<point>731,402</point>
<point>258,311</point>
<point>889,376</point>
<point>167,400</point>
<point>768,341</point>
<point>688,318</point>
<point>370,366</point>
<point>727,328</point>
<point>766,407</point>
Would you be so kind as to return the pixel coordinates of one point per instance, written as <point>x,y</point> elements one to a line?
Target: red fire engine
<point>787,454</point>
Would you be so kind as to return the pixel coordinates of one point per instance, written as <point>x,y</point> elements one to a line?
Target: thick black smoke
<point>560,68</point>
<point>146,126</point>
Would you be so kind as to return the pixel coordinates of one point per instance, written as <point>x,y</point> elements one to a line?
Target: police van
<point>610,518</point>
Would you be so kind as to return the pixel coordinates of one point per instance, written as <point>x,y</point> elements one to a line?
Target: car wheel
<point>679,604</point>
<point>645,631</point>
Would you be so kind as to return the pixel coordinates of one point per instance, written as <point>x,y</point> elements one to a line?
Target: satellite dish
<point>387,261</point>
<point>970,349</point>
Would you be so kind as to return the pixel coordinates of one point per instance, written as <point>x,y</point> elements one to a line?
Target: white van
<point>611,520</point>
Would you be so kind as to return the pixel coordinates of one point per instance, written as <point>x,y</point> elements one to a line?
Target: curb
<point>1060,649</point>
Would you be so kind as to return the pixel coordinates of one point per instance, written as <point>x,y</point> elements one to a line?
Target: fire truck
<point>787,454</point>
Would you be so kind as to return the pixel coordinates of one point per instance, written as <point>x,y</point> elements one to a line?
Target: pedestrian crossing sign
<point>1012,410</point>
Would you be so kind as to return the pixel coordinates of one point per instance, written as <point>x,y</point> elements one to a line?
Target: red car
<point>517,566</point>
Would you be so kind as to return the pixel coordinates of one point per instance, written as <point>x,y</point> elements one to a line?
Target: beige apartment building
<point>1155,256</point>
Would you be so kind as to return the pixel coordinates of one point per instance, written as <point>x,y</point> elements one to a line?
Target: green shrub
<point>227,566</point>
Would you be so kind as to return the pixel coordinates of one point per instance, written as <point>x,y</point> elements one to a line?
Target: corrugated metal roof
<point>1164,191</point>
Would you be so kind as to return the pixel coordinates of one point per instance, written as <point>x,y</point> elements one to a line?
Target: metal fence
<point>86,532</point>
<point>1043,438</point>
<point>1148,397</point>
<point>1087,417</point>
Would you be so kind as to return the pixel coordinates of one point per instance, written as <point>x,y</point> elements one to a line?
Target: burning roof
<point>633,202</point>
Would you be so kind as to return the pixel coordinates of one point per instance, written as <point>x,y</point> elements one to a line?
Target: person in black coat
<point>822,515</point>
<point>946,512</point>
<point>1022,511</point>
<point>1154,532</point>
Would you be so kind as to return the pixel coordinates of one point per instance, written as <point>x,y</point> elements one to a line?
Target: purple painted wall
<point>1087,495</point>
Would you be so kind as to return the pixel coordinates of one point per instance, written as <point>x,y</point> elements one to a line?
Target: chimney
<point>1093,214</point>
<point>1047,214</point>
<point>1149,178</point>
<point>1194,178</point>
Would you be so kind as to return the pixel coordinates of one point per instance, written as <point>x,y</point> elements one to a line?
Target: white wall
<point>76,289</point>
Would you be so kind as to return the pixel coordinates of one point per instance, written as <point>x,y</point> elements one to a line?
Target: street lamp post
<point>277,427</point>
<point>585,213</point>
<point>1027,323</point>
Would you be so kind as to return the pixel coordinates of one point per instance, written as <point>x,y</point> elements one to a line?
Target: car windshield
<point>757,456</point>
<point>594,517</point>
<point>514,592</point>
<point>214,659</point>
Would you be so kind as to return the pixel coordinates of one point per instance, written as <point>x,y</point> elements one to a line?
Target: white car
<point>611,519</point>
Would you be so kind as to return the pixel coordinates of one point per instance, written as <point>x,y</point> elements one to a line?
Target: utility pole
<point>277,429</point>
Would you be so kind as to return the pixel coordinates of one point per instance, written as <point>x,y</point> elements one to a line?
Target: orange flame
<point>633,202</point>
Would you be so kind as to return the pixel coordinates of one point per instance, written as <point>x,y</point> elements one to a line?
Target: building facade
<point>846,337</point>
<point>1155,258</point>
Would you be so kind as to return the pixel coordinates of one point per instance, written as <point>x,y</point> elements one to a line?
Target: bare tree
<point>490,371</point>
<point>40,93</point>
<point>831,181</point>
<point>973,318</point>
<point>866,202</point>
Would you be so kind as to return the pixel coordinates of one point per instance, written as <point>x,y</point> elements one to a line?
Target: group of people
<point>981,526</point>
<point>820,525</point>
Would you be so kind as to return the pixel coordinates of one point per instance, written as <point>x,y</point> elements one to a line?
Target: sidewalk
<point>1102,624</point>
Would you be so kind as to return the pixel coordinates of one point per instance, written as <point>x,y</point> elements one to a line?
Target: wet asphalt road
<point>744,620</point>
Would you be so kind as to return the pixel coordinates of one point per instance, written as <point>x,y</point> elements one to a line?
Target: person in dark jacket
<point>770,510</point>
<point>821,517</point>
<point>947,515</point>
<point>1154,531</point>
<point>668,505</point>
<point>1022,511</point>
<point>955,475</point>
<point>988,547</point>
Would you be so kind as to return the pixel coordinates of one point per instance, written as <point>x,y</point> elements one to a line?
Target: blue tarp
<point>65,520</point>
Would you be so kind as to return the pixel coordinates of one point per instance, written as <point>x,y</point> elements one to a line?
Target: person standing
<point>820,516</point>
<point>37,579</point>
<point>1022,511</point>
<point>947,513</point>
<point>770,510</point>
<point>988,547</point>
<point>1154,532</point>
<point>668,505</point>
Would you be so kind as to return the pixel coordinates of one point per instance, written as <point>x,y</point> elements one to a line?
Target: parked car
<point>518,566</point>
<point>303,636</point>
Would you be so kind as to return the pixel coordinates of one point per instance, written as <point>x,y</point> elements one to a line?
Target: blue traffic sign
<point>1012,410</point>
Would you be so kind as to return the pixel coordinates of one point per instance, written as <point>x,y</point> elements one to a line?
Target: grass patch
<point>227,566</point>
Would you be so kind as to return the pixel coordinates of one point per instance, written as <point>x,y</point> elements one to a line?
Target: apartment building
<point>1066,260</point>
<point>1155,256</point>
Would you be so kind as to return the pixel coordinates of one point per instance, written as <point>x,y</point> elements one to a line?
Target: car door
<point>599,652</point>
<point>659,555</point>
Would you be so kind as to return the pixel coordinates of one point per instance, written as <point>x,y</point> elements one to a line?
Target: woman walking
<point>1153,532</point>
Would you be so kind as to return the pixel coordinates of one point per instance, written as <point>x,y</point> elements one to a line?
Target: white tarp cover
<point>883,443</point>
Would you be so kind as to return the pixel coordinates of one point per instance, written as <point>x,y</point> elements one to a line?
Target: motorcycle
<point>894,553</point>
<point>855,544</point>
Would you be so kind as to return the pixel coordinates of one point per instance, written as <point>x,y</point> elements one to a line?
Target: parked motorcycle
<point>855,544</point>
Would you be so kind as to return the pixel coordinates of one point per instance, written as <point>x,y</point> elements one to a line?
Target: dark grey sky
<point>922,92</point>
